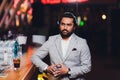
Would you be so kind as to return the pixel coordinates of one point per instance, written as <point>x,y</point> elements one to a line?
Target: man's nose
<point>65,26</point>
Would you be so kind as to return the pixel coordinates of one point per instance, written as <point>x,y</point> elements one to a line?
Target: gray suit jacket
<point>77,58</point>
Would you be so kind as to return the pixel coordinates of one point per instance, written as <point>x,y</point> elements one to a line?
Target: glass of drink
<point>16,63</point>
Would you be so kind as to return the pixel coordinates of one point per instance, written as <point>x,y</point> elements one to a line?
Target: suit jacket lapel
<point>58,46</point>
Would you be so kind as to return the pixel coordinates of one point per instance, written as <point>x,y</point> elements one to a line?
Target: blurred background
<point>98,22</point>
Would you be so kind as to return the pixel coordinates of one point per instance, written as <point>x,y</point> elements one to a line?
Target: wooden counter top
<point>25,71</point>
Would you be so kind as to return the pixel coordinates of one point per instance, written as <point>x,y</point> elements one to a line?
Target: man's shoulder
<point>53,37</point>
<point>78,37</point>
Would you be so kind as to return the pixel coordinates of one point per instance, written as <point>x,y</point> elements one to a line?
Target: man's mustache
<point>65,30</point>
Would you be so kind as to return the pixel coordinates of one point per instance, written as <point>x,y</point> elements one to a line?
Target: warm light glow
<point>29,15</point>
<point>30,11</point>
<point>50,1</point>
<point>15,3</point>
<point>82,1</point>
<point>24,7</point>
<point>25,2</point>
<point>85,18</point>
<point>104,17</point>
<point>29,18</point>
<point>78,20</point>
<point>61,1</point>
<point>24,12</point>
<point>69,1</point>
<point>32,1</point>
<point>17,21</point>
<point>72,1</point>
<point>18,12</point>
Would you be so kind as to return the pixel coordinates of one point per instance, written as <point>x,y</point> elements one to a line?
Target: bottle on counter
<point>16,58</point>
<point>5,58</point>
<point>16,49</point>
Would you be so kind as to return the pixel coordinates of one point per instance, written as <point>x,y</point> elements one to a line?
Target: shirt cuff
<point>45,69</point>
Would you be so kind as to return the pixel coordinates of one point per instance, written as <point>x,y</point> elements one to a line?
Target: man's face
<point>66,27</point>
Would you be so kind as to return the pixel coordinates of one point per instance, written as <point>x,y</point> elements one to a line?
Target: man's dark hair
<point>70,15</point>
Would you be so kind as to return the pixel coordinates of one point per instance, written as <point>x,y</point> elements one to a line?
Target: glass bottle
<point>16,48</point>
<point>16,58</point>
<point>5,58</point>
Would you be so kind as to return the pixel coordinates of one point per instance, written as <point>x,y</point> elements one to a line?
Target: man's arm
<point>39,54</point>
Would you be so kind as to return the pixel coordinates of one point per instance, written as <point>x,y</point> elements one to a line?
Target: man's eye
<point>62,24</point>
<point>69,24</point>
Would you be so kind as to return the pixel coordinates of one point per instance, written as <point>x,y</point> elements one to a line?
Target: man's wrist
<point>45,69</point>
<point>69,70</point>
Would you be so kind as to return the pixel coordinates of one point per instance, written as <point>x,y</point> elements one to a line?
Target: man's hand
<point>57,69</point>
<point>61,70</point>
<point>51,69</point>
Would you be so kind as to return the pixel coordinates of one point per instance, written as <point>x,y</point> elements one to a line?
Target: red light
<point>82,1</point>
<point>55,1</point>
<point>32,1</point>
<point>73,1</point>
<point>50,1</point>
<point>44,1</point>
<point>30,11</point>
<point>15,3</point>
<point>61,1</point>
<point>69,1</point>
<point>18,13</point>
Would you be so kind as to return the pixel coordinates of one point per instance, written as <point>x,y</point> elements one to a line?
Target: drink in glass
<point>16,62</point>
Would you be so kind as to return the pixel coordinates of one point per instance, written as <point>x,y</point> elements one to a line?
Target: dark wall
<point>115,31</point>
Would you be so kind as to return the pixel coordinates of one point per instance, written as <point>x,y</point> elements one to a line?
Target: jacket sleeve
<point>85,62</point>
<point>39,54</point>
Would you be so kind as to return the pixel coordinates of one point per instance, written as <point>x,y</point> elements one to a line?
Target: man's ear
<point>74,28</point>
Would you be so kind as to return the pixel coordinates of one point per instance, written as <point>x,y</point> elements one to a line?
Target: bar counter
<point>25,71</point>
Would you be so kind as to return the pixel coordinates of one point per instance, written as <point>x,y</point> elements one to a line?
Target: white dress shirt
<point>65,44</point>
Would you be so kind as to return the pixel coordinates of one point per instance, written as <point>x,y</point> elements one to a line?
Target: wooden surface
<point>25,71</point>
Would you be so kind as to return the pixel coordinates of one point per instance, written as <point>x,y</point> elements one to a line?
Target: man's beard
<point>66,34</point>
